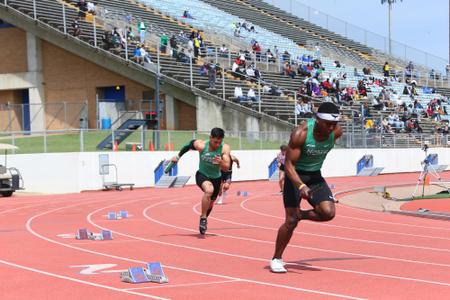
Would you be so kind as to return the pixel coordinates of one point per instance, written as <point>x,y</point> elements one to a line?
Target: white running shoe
<point>219,201</point>
<point>277,265</point>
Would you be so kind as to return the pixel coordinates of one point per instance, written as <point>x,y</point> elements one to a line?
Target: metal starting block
<point>112,215</point>
<point>84,234</point>
<point>153,273</point>
<point>242,193</point>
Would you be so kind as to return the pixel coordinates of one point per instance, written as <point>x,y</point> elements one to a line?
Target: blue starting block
<point>156,273</point>
<point>138,275</point>
<point>153,273</point>
<point>82,234</point>
<point>242,193</point>
<point>112,215</point>
<point>107,235</point>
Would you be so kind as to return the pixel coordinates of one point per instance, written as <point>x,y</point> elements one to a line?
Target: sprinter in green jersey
<point>214,158</point>
<point>307,149</point>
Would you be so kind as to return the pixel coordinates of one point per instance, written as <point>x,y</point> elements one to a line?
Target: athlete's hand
<point>217,160</point>
<point>175,159</point>
<point>305,192</point>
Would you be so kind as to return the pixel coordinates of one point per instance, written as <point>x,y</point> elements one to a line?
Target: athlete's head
<point>216,137</point>
<point>327,118</point>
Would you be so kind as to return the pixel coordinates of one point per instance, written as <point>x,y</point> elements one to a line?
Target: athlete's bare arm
<point>224,160</point>
<point>236,160</point>
<point>197,145</point>
<point>296,141</point>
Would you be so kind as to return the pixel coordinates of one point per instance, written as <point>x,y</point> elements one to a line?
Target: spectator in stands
<point>212,74</point>
<point>317,51</point>
<point>386,126</point>
<point>367,71</point>
<point>107,40</point>
<point>238,95</point>
<point>163,42</point>
<point>298,109</point>
<point>82,6</point>
<point>250,72</point>
<point>223,51</point>
<point>270,56</point>
<point>251,96</point>
<point>386,69</point>
<point>288,71</point>
<point>196,47</point>
<point>306,108</point>
<point>187,15</point>
<point>286,56</point>
<point>91,7</point>
<point>130,34</point>
<point>336,64</point>
<point>257,50</point>
<point>173,42</point>
<point>145,55</point>
<point>204,69</point>
<point>276,52</point>
<point>182,57</point>
<point>142,31</point>
<point>362,89</point>
<point>432,74</point>
<point>410,66</point>
<point>137,55</point>
<point>445,129</point>
<point>447,70</point>
<point>76,29</point>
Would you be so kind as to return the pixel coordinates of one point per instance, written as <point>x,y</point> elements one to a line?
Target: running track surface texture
<point>360,254</point>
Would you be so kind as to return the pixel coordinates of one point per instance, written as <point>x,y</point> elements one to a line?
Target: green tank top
<point>313,153</point>
<point>206,166</point>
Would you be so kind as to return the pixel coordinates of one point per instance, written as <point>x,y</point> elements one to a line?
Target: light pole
<point>389,2</point>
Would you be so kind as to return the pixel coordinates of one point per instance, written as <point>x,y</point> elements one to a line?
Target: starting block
<point>242,193</point>
<point>153,273</point>
<point>112,215</point>
<point>84,234</point>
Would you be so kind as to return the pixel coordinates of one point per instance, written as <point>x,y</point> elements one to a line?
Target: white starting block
<point>153,273</point>
<point>84,234</point>
<point>112,215</point>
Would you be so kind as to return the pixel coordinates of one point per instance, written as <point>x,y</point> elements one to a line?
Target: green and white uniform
<point>312,156</point>
<point>209,171</point>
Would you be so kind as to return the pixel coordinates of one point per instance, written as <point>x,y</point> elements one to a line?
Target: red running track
<point>359,255</point>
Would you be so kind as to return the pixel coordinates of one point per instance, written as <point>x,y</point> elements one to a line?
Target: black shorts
<point>226,176</point>
<point>315,181</point>
<point>282,167</point>
<point>216,182</point>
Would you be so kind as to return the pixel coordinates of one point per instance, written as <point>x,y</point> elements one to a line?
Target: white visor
<point>329,117</point>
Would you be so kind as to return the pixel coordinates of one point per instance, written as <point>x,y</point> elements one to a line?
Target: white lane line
<point>183,285</point>
<point>81,281</point>
<point>343,227</point>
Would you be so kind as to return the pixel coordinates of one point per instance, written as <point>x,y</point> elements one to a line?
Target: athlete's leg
<point>323,202</point>
<point>208,190</point>
<point>285,231</point>
<point>322,212</point>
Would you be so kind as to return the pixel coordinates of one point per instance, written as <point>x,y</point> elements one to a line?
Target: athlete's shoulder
<point>199,145</point>
<point>298,135</point>
<point>226,148</point>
